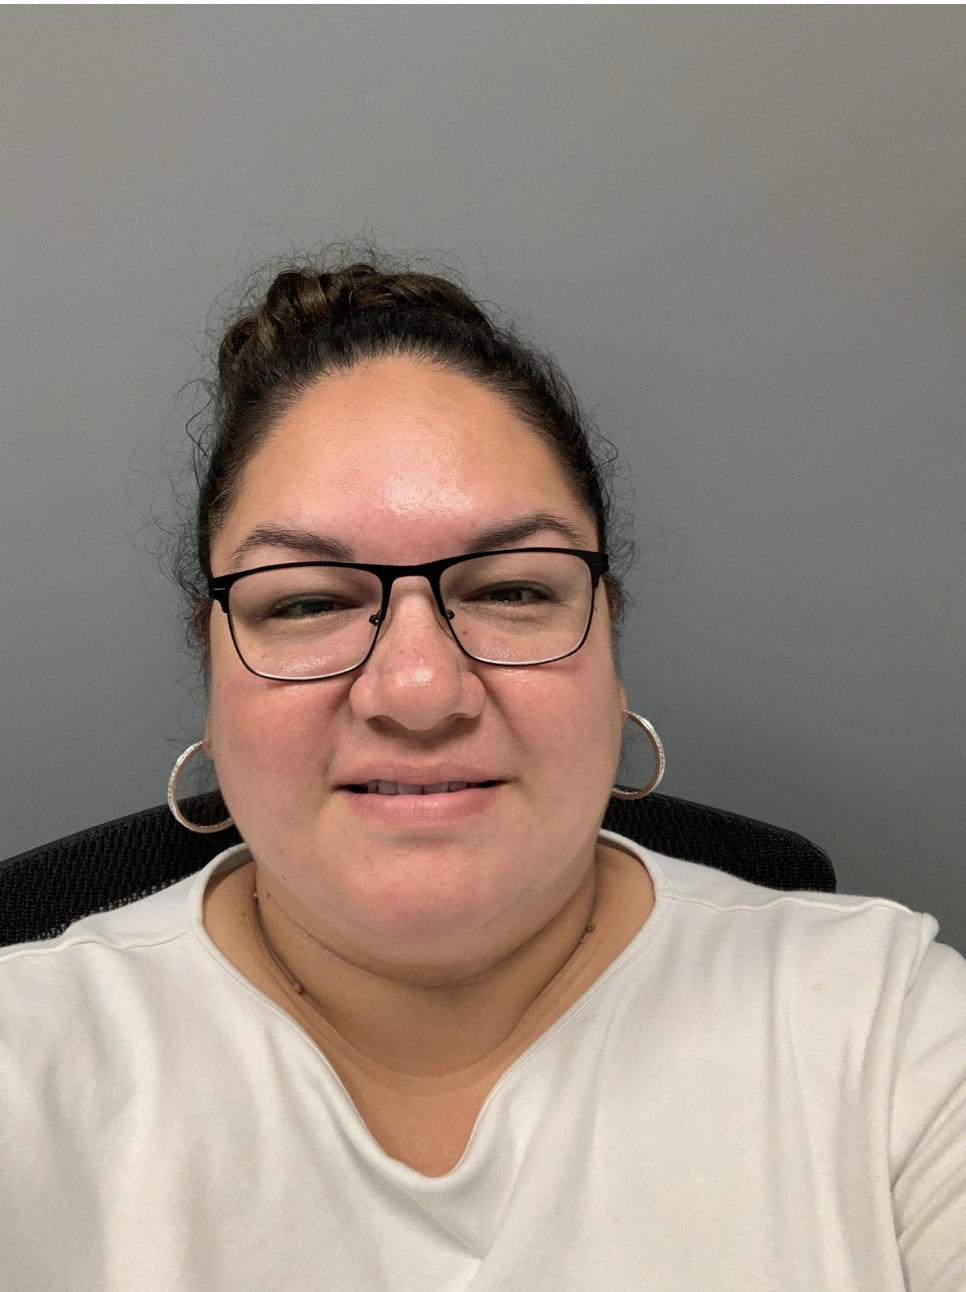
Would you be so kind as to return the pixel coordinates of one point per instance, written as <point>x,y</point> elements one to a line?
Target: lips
<point>400,797</point>
<point>403,787</point>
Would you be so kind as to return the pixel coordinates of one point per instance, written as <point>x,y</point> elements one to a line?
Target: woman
<point>428,1028</point>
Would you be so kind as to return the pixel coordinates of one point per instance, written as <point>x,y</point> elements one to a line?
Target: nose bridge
<point>431,595</point>
<point>429,573</point>
<point>417,673</point>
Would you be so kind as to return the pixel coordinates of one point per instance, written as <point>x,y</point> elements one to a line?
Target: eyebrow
<point>326,548</point>
<point>496,536</point>
<point>322,546</point>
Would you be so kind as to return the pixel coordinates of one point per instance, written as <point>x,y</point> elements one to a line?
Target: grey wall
<point>741,229</point>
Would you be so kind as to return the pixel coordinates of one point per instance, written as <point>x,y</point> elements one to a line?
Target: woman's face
<point>402,462</point>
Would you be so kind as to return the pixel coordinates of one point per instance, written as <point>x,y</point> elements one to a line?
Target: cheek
<point>569,717</point>
<point>271,741</point>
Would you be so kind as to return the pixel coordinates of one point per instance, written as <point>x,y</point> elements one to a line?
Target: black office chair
<point>44,890</point>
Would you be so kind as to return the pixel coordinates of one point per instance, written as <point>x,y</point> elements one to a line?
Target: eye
<point>305,608</point>
<point>513,594</point>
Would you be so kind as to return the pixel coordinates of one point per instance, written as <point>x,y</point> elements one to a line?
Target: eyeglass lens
<point>313,621</point>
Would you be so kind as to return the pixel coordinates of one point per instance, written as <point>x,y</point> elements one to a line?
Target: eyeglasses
<point>309,620</point>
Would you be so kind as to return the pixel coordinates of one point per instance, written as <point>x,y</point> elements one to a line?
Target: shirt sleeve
<point>928,1130</point>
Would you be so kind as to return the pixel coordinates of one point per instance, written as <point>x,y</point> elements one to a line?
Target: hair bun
<point>304,300</point>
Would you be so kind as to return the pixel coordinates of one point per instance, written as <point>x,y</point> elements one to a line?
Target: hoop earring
<point>659,760</point>
<point>176,812</point>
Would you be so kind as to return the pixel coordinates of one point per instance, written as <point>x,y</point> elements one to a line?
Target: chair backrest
<point>46,889</point>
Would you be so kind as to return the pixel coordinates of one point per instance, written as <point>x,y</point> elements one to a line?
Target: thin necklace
<point>269,946</point>
<point>299,987</point>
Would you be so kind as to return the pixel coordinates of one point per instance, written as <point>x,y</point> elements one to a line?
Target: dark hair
<point>316,320</point>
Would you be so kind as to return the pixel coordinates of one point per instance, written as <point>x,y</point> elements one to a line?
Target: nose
<point>416,677</point>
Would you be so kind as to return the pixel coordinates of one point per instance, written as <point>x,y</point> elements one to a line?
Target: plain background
<point>740,229</point>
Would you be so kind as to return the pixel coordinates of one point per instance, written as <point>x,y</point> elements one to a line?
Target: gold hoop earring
<point>176,812</point>
<point>659,760</point>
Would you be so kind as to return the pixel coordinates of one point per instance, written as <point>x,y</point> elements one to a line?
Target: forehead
<point>402,461</point>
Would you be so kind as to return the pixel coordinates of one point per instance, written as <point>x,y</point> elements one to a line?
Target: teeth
<point>396,787</point>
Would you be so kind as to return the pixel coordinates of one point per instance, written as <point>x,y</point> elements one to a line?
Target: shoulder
<point>855,992</point>
<point>152,919</point>
<point>78,1013</point>
<point>118,994</point>
<point>835,947</point>
<point>99,964</point>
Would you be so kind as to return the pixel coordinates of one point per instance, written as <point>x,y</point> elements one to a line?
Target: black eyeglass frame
<point>220,586</point>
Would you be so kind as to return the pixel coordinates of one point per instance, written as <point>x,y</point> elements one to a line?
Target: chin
<point>432,893</point>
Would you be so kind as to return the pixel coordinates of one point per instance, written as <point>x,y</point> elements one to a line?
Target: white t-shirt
<point>765,1091</point>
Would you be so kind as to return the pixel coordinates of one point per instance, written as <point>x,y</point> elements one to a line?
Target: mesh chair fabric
<point>46,889</point>
<point>753,850</point>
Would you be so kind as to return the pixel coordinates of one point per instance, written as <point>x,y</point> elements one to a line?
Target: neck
<point>429,1024</point>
